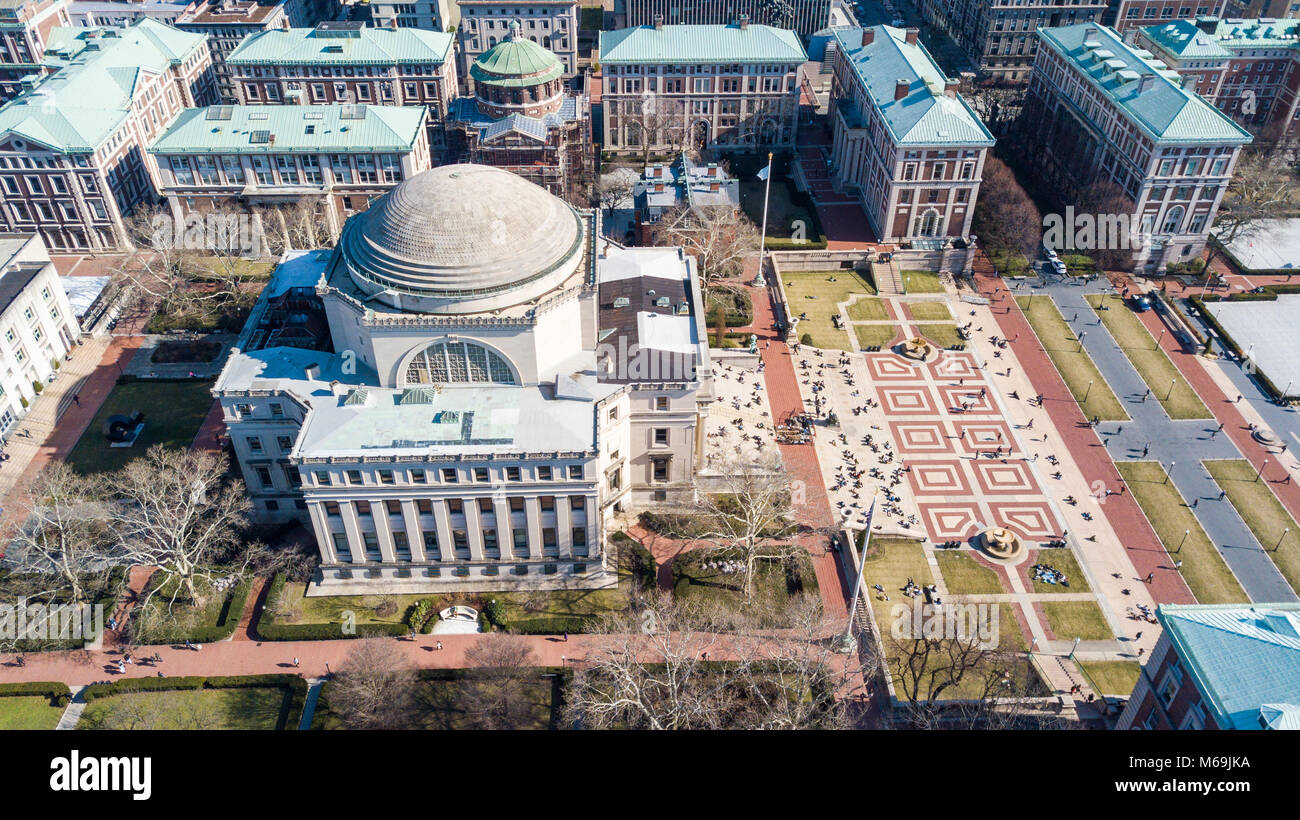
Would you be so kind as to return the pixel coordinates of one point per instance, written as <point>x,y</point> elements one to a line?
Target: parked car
<point>1059,267</point>
<point>1050,253</point>
<point>1141,303</point>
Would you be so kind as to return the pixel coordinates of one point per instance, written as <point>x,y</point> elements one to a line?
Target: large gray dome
<point>463,238</point>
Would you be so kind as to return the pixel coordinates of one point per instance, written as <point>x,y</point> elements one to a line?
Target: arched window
<point>457,362</point>
<point>1173,219</point>
<point>929,224</point>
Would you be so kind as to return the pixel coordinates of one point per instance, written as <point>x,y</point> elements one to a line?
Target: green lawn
<point>963,575</point>
<point>929,311</point>
<point>28,712</point>
<point>1112,677</point>
<point>868,310</point>
<point>817,293</point>
<point>1009,263</point>
<point>890,563</point>
<point>1076,619</point>
<point>920,281</point>
<point>1149,360</point>
<point>773,587</point>
<point>1203,568</point>
<point>173,413</point>
<point>189,709</point>
<point>1263,513</point>
<point>1074,364</point>
<point>875,335</point>
<point>1063,561</point>
<point>942,335</point>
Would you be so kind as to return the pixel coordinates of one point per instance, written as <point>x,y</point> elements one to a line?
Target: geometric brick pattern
<point>953,396</point>
<point>904,401</point>
<point>920,438</point>
<point>954,366</point>
<point>938,478</point>
<point>983,436</point>
<point>1028,519</point>
<point>951,520</point>
<point>1011,478</point>
<point>889,367</point>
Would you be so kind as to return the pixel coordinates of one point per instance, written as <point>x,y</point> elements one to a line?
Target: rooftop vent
<point>868,36</point>
<point>352,112</point>
<point>663,301</point>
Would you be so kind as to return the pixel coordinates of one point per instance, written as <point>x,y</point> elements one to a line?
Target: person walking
<point>295,663</point>
<point>76,399</point>
<point>1151,576</point>
<point>438,646</point>
<point>566,636</point>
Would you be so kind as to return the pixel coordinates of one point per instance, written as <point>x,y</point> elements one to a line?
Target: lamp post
<point>1081,335</point>
<point>1087,392</point>
<point>1260,471</point>
<point>1161,339</point>
<point>1172,382</point>
<point>1180,543</point>
<point>1283,538</point>
<point>1172,464</point>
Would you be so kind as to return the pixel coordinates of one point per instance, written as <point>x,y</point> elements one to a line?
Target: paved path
<point>72,715</point>
<point>1179,445</point>
<point>1092,462</point>
<point>309,704</point>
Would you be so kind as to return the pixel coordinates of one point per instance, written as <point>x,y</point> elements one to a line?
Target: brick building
<point>24,30</point>
<point>998,35</point>
<point>1220,666</point>
<point>72,145</point>
<point>905,142</point>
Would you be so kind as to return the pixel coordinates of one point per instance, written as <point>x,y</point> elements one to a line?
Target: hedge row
<point>58,693</point>
<point>234,609</point>
<point>293,683</point>
<point>554,625</point>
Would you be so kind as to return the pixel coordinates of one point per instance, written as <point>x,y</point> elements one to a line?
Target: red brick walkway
<point>1125,516</point>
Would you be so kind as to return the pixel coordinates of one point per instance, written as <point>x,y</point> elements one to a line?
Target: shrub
<point>23,401</point>
<point>553,625</point>
<point>496,613</point>
<point>37,387</point>
<point>58,693</point>
<point>387,608</point>
<point>420,614</point>
<point>806,339</point>
<point>484,625</point>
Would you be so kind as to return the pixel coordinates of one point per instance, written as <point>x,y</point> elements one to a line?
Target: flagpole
<point>847,640</point>
<point>762,242</point>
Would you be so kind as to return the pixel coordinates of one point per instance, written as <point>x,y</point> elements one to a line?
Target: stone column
<point>352,527</point>
<point>563,526</point>
<point>320,525</point>
<point>442,522</point>
<point>473,529</point>
<point>505,527</point>
<point>383,531</point>
<point>533,509</point>
<point>414,533</point>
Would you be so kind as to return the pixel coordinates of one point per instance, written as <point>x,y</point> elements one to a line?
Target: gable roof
<point>926,116</point>
<point>1164,110</point>
<point>701,44</point>
<point>1245,659</point>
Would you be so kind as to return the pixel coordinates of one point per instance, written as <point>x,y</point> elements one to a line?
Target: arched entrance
<point>768,132</point>
<point>700,134</point>
<point>927,224</point>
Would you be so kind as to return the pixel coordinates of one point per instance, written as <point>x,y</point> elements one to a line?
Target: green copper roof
<point>516,61</point>
<point>374,46</point>
<point>1258,33</point>
<point>701,44</point>
<point>1163,109</point>
<point>1184,40</point>
<point>282,129</point>
<point>88,98</point>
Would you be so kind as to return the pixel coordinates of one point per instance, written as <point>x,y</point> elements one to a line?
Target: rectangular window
<point>322,478</point>
<point>285,443</point>
<point>661,402</point>
<point>417,477</point>
<point>575,472</point>
<point>661,436</point>
<point>544,473</point>
<point>513,474</point>
<point>354,476</point>
<point>264,476</point>
<point>385,476</point>
<point>578,503</point>
<point>547,503</point>
<point>481,475</point>
<point>449,475</point>
<point>520,536</point>
<point>341,548</point>
<point>254,444</point>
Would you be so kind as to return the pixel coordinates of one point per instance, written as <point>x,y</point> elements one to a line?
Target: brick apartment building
<point>1104,112</point>
<point>998,35</point>
<point>905,142</point>
<point>24,30</point>
<point>1249,69</point>
<point>72,145</point>
<point>1221,666</point>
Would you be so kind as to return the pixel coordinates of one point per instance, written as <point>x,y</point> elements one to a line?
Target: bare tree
<point>683,665</point>
<point>1258,191</point>
<point>1105,197</point>
<point>718,236</point>
<point>375,688</point>
<point>1005,217</point>
<point>748,514</point>
<point>998,105</point>
<point>64,530</point>
<point>497,695</point>
<point>657,123</point>
<point>614,189</point>
<point>176,510</point>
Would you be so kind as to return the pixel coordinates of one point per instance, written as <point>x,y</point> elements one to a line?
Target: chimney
<point>1207,24</point>
<point>868,36</point>
<point>659,188</point>
<point>659,22</point>
<point>311,372</point>
<point>1145,81</point>
<point>715,186</point>
<point>901,87</point>
<point>744,22</point>
<point>912,34</point>
<point>950,87</point>
<point>713,169</point>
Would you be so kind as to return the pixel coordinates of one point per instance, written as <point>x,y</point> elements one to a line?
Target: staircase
<point>889,282</point>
